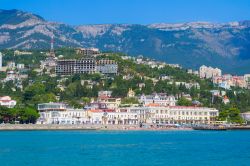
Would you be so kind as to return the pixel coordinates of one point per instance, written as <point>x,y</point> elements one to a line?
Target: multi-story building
<point>86,65</point>
<point>112,118</point>
<point>184,115</point>
<point>99,113</point>
<point>73,66</point>
<point>7,102</point>
<point>143,113</point>
<point>160,99</point>
<point>226,81</point>
<point>106,66</point>
<point>60,113</point>
<point>87,51</point>
<point>209,72</point>
<point>111,103</point>
<point>174,114</point>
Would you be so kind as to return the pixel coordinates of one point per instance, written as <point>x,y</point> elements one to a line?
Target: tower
<point>52,52</point>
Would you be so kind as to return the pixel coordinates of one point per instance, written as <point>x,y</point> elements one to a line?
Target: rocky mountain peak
<point>14,17</point>
<point>191,44</point>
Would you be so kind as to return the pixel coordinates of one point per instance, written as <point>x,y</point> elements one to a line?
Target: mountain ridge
<point>191,44</point>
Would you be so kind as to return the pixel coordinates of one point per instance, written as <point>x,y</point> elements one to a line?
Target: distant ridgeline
<point>223,45</point>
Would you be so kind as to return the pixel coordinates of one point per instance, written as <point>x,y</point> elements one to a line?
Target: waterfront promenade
<point>9,127</point>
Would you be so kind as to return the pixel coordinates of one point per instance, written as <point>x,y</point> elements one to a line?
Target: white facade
<point>70,116</point>
<point>20,66</point>
<point>111,103</point>
<point>209,72</point>
<point>60,113</point>
<point>113,118</point>
<point>7,102</point>
<point>245,116</point>
<point>160,99</point>
<point>175,114</point>
<point>105,66</point>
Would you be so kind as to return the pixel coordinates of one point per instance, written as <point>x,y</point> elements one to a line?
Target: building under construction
<point>73,66</point>
<point>86,65</point>
<point>106,66</point>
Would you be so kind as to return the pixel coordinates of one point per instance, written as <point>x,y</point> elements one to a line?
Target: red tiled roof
<point>153,105</point>
<point>96,110</point>
<point>183,107</point>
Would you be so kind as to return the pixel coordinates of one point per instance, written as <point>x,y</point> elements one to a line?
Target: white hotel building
<point>209,72</point>
<point>112,118</point>
<point>160,99</point>
<point>60,113</point>
<point>175,114</point>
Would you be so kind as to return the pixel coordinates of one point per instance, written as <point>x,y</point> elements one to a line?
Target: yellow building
<point>131,93</point>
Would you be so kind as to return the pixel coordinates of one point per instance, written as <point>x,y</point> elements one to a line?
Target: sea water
<point>124,148</point>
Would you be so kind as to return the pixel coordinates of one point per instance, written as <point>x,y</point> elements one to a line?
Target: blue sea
<point>124,148</point>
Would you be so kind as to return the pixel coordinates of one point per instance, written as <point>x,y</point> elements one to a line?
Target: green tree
<point>184,102</point>
<point>34,89</point>
<point>232,115</point>
<point>85,100</point>
<point>28,115</point>
<point>5,114</point>
<point>130,100</point>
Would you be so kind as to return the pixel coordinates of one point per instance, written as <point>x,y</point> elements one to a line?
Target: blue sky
<point>133,11</point>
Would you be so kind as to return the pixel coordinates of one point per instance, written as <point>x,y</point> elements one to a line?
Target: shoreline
<point>87,127</point>
<point>99,127</point>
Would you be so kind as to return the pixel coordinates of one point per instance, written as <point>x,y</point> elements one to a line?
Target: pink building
<point>231,80</point>
<point>7,102</point>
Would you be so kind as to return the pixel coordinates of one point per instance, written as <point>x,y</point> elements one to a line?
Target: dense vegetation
<point>18,114</point>
<point>77,90</point>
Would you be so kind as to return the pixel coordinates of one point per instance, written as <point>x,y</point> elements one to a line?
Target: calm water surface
<point>129,148</point>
